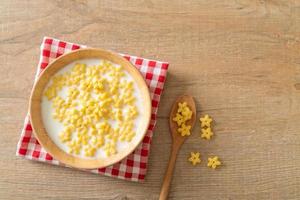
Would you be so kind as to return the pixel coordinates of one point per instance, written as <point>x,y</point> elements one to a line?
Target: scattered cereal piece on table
<point>206,133</point>
<point>213,162</point>
<point>194,158</point>
<point>205,121</point>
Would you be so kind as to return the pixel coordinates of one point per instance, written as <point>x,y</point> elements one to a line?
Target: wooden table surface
<point>239,59</point>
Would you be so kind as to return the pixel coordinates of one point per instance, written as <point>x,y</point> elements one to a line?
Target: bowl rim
<point>39,130</point>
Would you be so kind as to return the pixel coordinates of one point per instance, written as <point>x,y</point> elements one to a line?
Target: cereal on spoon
<point>183,114</point>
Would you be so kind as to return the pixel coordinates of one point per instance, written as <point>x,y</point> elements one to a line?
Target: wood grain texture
<point>239,59</point>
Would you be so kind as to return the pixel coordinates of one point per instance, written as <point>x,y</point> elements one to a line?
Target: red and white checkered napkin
<point>134,166</point>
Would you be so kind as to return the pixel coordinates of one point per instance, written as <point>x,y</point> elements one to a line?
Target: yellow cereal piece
<point>58,82</point>
<point>74,147</point>
<point>73,93</point>
<point>129,100</point>
<point>206,133</point>
<point>91,71</point>
<point>205,121</point>
<point>110,148</point>
<point>103,96</point>
<point>83,138</point>
<point>89,151</point>
<point>75,80</point>
<point>98,141</point>
<point>119,68</point>
<point>106,113</point>
<point>194,158</point>
<point>58,102</point>
<point>65,136</point>
<point>113,90</point>
<point>86,86</point>
<point>69,128</point>
<point>119,74</point>
<point>69,103</point>
<point>59,114</point>
<point>129,136</point>
<point>106,102</point>
<point>132,112</point>
<point>187,114</point>
<point>104,126</point>
<point>96,116</point>
<point>213,162</point>
<point>78,122</point>
<point>178,119</point>
<point>62,110</point>
<point>100,132</point>
<point>98,86</point>
<point>82,129</point>
<point>185,111</point>
<point>86,121</point>
<point>118,115</point>
<point>181,106</point>
<point>122,136</point>
<point>129,85</point>
<point>126,131</point>
<point>84,96</point>
<point>113,135</point>
<point>50,92</point>
<point>79,68</point>
<point>117,102</point>
<point>184,130</point>
<point>106,64</point>
<point>93,131</point>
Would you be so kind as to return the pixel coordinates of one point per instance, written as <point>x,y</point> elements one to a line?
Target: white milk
<point>53,127</point>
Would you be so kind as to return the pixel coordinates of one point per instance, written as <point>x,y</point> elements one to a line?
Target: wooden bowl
<point>36,115</point>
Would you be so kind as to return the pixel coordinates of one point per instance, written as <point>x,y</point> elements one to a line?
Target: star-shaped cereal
<point>110,148</point>
<point>184,130</point>
<point>194,158</point>
<point>51,93</point>
<point>65,136</point>
<point>213,162</point>
<point>74,147</point>
<point>90,151</point>
<point>178,119</point>
<point>181,107</point>
<point>206,133</point>
<point>187,113</point>
<point>205,121</point>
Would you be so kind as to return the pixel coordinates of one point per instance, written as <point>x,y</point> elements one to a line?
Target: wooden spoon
<point>177,141</point>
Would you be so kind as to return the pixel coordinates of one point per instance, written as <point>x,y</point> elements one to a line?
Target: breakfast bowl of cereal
<point>90,108</point>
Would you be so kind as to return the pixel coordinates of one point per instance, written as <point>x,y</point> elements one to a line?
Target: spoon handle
<point>168,176</point>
